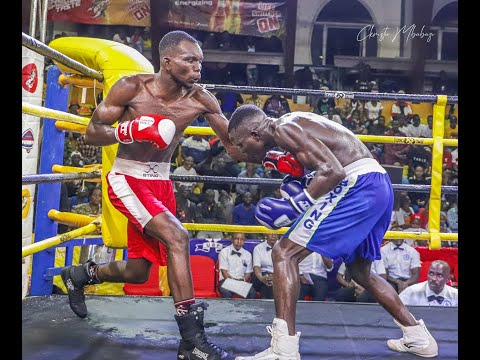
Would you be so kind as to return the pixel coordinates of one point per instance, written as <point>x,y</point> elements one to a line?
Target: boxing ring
<point>143,327</point>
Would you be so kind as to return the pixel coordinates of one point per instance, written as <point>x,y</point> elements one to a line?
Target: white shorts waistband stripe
<point>142,170</point>
<point>364,166</point>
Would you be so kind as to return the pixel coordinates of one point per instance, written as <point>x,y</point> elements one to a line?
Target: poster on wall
<point>32,89</point>
<point>101,12</point>
<point>241,17</point>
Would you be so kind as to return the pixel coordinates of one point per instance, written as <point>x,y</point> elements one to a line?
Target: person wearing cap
<point>402,107</point>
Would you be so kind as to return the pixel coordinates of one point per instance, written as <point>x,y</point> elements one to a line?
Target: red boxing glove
<point>283,162</point>
<point>152,128</point>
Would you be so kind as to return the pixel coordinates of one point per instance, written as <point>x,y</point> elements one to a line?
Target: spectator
<point>434,291</point>
<point>401,107</point>
<point>81,197</point>
<point>415,129</point>
<point>254,99</point>
<point>187,169</point>
<point>92,208</point>
<point>229,101</point>
<point>196,147</point>
<point>263,266</point>
<point>209,211</point>
<point>185,207</point>
<point>452,216</point>
<point>373,109</point>
<point>137,40</point>
<point>244,213</point>
<point>88,152</point>
<point>241,189</point>
<point>379,128</point>
<point>276,106</point>
<point>324,103</point>
<point>235,263</point>
<point>419,155</point>
<point>418,199</point>
<point>313,276</point>
<point>451,131</point>
<point>402,263</point>
<point>332,115</point>
<point>200,121</point>
<point>415,226</point>
<point>395,152</point>
<point>427,131</point>
<point>350,291</point>
<point>225,199</point>
<point>402,211</point>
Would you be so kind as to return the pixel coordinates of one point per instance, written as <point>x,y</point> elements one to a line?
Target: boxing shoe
<point>416,340</point>
<point>195,344</point>
<point>282,345</point>
<point>75,279</point>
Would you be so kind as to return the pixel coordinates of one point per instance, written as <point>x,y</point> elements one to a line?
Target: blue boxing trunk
<point>350,220</point>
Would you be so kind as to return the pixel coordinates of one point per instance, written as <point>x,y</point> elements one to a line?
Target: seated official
<point>402,263</point>
<point>313,276</point>
<point>350,291</point>
<point>434,291</point>
<point>263,266</point>
<point>235,263</point>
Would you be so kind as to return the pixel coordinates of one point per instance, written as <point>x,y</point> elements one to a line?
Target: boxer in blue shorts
<point>340,209</point>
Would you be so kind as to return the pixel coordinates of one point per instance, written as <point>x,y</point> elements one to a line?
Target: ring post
<point>437,162</point>
<point>48,195</point>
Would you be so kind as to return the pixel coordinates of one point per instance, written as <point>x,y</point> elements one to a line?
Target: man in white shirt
<point>434,291</point>
<point>402,263</point>
<point>186,169</point>
<point>313,276</point>
<point>427,131</point>
<point>415,129</point>
<point>353,292</point>
<point>263,266</point>
<point>235,263</point>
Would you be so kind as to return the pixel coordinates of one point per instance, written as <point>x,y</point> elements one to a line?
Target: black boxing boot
<point>195,344</point>
<point>75,279</point>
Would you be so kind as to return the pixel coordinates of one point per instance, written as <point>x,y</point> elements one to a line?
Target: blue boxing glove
<point>275,213</point>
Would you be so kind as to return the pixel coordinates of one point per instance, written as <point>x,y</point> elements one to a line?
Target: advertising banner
<point>101,12</point>
<point>242,17</point>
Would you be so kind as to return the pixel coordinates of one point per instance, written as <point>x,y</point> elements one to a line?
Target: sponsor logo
<point>151,171</point>
<point>406,257</point>
<point>30,77</point>
<point>145,122</point>
<point>25,203</point>
<point>208,245</point>
<point>200,354</point>
<point>28,140</point>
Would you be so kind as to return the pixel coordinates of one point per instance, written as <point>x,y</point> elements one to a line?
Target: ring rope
<point>59,239</point>
<point>53,114</point>
<point>356,95</point>
<point>201,130</point>
<point>262,229</point>
<point>39,178</point>
<point>45,50</point>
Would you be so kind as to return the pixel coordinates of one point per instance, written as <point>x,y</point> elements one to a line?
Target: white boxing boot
<point>416,340</point>
<point>282,346</point>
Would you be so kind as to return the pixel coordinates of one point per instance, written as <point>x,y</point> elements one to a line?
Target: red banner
<point>103,12</point>
<point>244,17</point>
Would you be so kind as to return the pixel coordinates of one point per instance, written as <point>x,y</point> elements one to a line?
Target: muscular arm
<point>100,131</point>
<point>219,124</point>
<point>313,154</point>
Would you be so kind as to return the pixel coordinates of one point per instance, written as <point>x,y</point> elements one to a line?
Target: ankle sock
<point>183,306</point>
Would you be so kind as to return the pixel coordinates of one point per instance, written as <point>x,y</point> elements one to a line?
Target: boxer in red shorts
<point>153,110</point>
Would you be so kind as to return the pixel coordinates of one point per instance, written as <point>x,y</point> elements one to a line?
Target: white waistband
<point>142,170</point>
<point>364,166</point>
